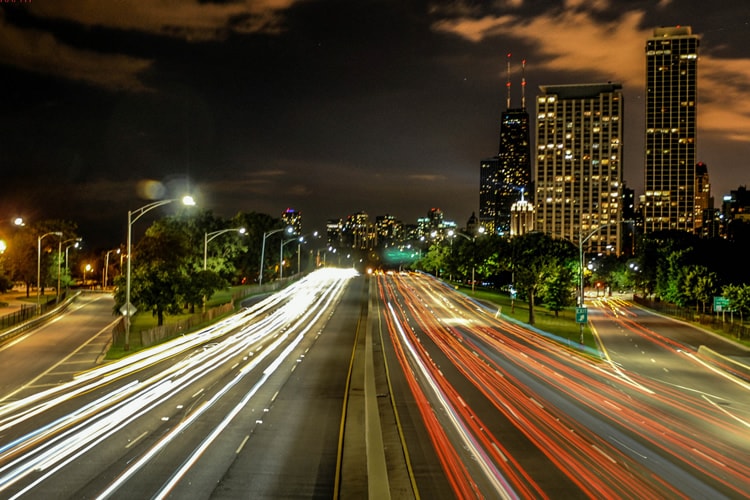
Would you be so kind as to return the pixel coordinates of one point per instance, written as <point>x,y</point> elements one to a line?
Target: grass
<point>145,321</point>
<point>563,325</point>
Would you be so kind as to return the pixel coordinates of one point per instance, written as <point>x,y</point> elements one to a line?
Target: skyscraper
<point>578,179</point>
<point>504,177</point>
<point>703,200</point>
<point>671,85</point>
<point>488,182</point>
<point>514,164</point>
<point>293,218</point>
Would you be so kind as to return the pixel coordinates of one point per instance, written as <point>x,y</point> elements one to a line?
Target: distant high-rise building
<point>671,87</point>
<point>358,233</point>
<point>578,179</point>
<point>334,228</point>
<point>736,212</point>
<point>389,229</point>
<point>488,182</point>
<point>521,218</point>
<point>514,164</point>
<point>504,177</point>
<point>703,199</point>
<point>292,218</point>
<point>630,220</point>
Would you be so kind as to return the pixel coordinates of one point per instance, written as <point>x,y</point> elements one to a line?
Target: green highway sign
<point>582,315</point>
<point>721,304</point>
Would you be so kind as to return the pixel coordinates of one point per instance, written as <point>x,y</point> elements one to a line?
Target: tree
<point>700,285</point>
<point>247,262</point>
<point>159,282</point>
<point>537,256</point>
<point>436,258</point>
<point>24,250</point>
<point>203,284</point>
<point>739,298</point>
<point>556,287</point>
<point>671,278</point>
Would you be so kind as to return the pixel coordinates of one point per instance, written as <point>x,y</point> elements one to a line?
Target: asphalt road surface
<point>232,411</point>
<point>509,413</point>
<point>471,404</point>
<point>53,353</point>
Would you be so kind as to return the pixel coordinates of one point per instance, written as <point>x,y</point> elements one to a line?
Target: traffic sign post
<point>721,304</point>
<point>128,310</point>
<point>582,317</point>
<point>582,314</point>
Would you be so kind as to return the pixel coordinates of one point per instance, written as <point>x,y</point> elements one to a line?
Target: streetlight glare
<point>18,221</point>
<point>242,230</point>
<point>188,200</point>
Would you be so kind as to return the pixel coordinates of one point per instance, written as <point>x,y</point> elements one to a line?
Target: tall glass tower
<point>671,87</point>
<point>514,165</point>
<point>505,177</point>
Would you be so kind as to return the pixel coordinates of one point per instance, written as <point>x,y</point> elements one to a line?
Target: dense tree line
<point>541,268</point>
<point>168,274</point>
<point>24,251</point>
<point>672,266</point>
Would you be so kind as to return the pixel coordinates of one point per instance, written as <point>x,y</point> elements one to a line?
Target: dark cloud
<point>330,107</point>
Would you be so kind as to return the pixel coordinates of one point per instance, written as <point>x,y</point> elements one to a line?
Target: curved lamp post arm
<point>289,229</point>
<point>207,237</point>
<point>186,200</point>
<point>473,240</point>
<point>39,264</point>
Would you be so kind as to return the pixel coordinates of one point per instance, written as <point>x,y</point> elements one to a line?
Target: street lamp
<point>281,254</point>
<point>59,259</point>
<point>134,215</point>
<point>39,264</point>
<point>288,229</point>
<point>17,221</point>
<point>473,240</point>
<point>581,241</point>
<point>74,245</point>
<point>86,268</point>
<point>106,266</point>
<point>210,236</point>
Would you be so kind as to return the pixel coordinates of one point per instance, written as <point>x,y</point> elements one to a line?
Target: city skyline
<point>328,107</point>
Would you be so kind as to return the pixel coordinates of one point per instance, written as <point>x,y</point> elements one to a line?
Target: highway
<point>56,350</point>
<point>250,407</point>
<point>510,414</point>
<point>471,405</point>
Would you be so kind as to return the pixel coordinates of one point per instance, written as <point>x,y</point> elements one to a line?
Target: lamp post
<point>581,241</point>
<point>74,245</point>
<point>59,259</point>
<point>106,266</point>
<point>288,229</point>
<point>86,268</point>
<point>210,236</point>
<point>473,240</point>
<point>39,265</point>
<point>134,215</point>
<point>17,221</point>
<point>281,254</point>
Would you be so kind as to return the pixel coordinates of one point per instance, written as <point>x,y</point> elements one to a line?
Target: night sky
<point>329,107</point>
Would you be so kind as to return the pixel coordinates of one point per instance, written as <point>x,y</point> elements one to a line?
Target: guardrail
<point>48,310</point>
<point>736,328</point>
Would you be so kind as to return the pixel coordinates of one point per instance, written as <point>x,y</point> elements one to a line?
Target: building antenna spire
<point>523,83</point>
<point>507,83</point>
